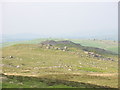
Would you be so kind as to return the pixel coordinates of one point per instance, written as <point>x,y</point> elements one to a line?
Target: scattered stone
<point>1,65</point>
<point>63,50</point>
<point>69,69</point>
<point>11,56</point>
<point>20,58</point>
<point>85,52</point>
<point>56,48</point>
<point>10,82</point>
<point>65,47</point>
<point>17,66</point>
<point>47,47</point>
<point>82,55</point>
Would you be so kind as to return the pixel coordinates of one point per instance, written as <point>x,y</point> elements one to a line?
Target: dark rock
<point>3,57</point>
<point>52,42</point>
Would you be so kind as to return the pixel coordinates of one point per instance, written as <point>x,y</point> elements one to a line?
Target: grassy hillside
<point>104,44</point>
<point>73,65</point>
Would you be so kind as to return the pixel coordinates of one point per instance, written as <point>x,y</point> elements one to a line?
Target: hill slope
<point>57,64</point>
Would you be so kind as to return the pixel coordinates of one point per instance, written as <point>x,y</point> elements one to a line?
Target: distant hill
<point>103,44</point>
<point>68,43</point>
<point>63,42</point>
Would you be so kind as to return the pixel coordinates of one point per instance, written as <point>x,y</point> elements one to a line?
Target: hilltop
<point>65,42</point>
<point>69,43</point>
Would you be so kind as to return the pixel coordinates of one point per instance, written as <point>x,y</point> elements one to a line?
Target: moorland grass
<point>48,63</point>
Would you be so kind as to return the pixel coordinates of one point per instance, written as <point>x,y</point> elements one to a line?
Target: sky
<point>63,19</point>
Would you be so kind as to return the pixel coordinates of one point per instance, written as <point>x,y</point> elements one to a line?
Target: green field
<point>53,66</point>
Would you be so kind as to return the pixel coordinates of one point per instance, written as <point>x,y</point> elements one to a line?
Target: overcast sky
<point>61,19</point>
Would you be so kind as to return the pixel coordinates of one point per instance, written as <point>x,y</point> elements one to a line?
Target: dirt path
<point>92,74</point>
<point>16,74</point>
<point>106,74</point>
